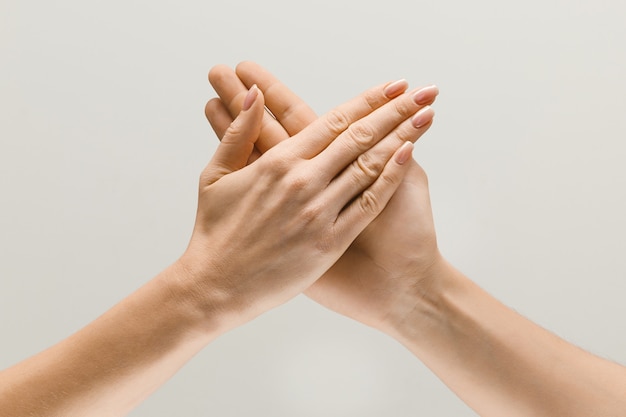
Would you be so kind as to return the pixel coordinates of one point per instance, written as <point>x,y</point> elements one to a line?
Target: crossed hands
<point>333,207</point>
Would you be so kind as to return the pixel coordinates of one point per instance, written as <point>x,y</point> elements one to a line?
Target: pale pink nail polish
<point>404,153</point>
<point>395,88</point>
<point>422,117</point>
<point>426,94</point>
<point>250,98</point>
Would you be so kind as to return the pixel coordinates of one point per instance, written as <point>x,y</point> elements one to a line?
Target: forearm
<point>115,362</point>
<point>500,363</point>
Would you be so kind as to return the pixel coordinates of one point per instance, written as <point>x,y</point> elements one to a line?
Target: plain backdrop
<point>102,139</point>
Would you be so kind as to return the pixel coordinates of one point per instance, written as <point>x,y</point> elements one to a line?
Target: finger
<point>426,95</point>
<point>220,119</point>
<point>218,116</point>
<point>362,172</point>
<point>289,109</point>
<point>371,202</point>
<point>228,87</point>
<point>368,131</point>
<point>319,134</point>
<point>232,92</point>
<point>238,141</point>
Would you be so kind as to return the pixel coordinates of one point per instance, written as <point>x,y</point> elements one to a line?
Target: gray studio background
<point>102,139</point>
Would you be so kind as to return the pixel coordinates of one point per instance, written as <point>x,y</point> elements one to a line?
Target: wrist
<point>428,302</point>
<point>211,294</point>
<point>202,303</point>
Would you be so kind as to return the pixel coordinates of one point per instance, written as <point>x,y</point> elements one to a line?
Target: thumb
<point>238,141</point>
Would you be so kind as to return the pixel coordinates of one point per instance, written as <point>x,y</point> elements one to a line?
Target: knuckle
<point>368,166</point>
<point>278,167</point>
<point>403,107</point>
<point>373,99</point>
<point>272,169</point>
<point>234,131</point>
<point>311,213</point>
<point>404,133</point>
<point>369,203</point>
<point>388,180</point>
<point>298,183</point>
<point>297,111</point>
<point>337,121</point>
<point>361,134</point>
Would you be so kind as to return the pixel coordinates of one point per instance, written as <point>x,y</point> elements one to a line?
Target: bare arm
<point>500,363</point>
<point>114,363</point>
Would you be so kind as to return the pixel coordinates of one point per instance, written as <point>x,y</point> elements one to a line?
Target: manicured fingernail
<point>250,97</point>
<point>422,117</point>
<point>404,153</point>
<point>395,88</point>
<point>425,95</point>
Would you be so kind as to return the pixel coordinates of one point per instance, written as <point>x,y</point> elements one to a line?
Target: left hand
<point>377,278</point>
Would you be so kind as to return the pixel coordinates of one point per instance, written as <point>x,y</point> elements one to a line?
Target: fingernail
<point>250,98</point>
<point>425,95</point>
<point>404,153</point>
<point>395,88</point>
<point>422,117</point>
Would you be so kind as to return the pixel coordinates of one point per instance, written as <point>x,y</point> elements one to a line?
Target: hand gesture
<point>267,230</point>
<point>392,257</point>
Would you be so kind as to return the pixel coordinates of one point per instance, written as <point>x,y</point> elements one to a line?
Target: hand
<point>378,278</point>
<point>266,231</point>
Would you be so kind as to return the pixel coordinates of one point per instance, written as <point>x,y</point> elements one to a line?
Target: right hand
<point>265,232</point>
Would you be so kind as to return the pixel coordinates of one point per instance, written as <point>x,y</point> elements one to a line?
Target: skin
<point>307,198</point>
<point>367,283</point>
<point>394,278</point>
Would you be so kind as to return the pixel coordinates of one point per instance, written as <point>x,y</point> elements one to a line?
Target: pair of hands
<point>334,206</point>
